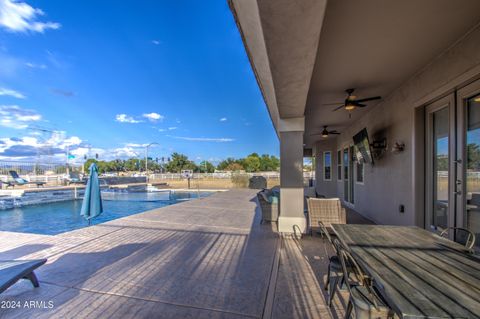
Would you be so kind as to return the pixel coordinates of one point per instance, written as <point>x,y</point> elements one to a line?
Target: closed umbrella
<point>92,199</point>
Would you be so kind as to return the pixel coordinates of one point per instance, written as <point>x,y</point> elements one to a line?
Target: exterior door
<point>348,182</point>
<point>441,187</point>
<point>468,153</point>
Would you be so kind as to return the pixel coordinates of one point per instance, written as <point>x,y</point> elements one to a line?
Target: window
<point>327,166</point>
<point>339,165</point>
<point>345,164</point>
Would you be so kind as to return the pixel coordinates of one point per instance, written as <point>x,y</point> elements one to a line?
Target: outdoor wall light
<point>398,147</point>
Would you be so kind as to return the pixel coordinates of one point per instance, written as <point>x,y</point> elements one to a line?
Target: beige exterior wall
<point>326,188</point>
<point>392,181</point>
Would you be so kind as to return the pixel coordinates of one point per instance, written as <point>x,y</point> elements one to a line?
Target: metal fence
<point>51,173</point>
<point>55,173</point>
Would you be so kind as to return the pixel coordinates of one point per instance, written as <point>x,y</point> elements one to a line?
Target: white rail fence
<point>222,175</point>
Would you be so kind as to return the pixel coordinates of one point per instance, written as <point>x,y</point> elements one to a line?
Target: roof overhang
<point>306,53</point>
<point>281,40</point>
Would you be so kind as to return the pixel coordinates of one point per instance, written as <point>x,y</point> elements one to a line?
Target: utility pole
<point>146,157</point>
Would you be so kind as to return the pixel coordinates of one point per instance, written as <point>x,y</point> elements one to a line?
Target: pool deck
<point>206,258</point>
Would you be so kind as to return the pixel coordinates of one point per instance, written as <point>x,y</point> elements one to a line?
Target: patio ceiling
<point>306,53</point>
<point>375,46</point>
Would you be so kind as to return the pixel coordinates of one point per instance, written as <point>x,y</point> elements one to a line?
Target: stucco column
<point>291,175</point>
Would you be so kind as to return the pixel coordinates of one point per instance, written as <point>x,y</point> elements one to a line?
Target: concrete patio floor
<point>206,258</point>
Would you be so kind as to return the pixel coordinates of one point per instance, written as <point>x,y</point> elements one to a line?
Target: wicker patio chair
<point>462,236</point>
<point>268,206</point>
<point>326,210</point>
<point>364,301</point>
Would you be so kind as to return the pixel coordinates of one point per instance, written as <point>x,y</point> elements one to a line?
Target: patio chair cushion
<point>273,199</point>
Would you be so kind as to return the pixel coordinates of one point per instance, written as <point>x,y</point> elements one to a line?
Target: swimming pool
<point>60,217</point>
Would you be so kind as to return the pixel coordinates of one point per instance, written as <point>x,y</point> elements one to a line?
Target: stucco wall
<point>326,188</point>
<point>391,181</point>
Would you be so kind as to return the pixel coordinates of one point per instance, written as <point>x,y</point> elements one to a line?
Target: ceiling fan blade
<point>369,99</point>
<point>329,104</point>
<point>360,105</point>
<point>337,133</point>
<point>338,108</point>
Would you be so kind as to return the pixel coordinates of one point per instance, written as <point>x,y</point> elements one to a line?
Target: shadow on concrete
<point>23,250</point>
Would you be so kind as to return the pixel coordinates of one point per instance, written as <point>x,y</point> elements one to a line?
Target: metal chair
<point>364,300</point>
<point>462,236</point>
<point>334,267</point>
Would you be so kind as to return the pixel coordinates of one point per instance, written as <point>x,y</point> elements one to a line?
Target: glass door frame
<point>463,95</point>
<point>449,103</point>
<point>348,175</point>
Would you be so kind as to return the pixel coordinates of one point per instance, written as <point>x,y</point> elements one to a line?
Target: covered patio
<point>330,69</point>
<point>385,97</point>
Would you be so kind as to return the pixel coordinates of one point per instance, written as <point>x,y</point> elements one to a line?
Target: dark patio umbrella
<point>92,200</point>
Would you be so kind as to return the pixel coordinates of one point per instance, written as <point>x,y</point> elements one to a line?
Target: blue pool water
<point>56,218</point>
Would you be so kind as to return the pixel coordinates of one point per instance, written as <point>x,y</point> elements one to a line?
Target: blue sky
<point>110,76</point>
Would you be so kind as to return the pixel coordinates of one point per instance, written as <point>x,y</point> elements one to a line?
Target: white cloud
<point>124,118</point>
<point>153,117</point>
<point>223,119</point>
<point>122,152</point>
<point>134,145</point>
<point>161,130</point>
<point>35,65</point>
<point>13,93</point>
<point>156,42</point>
<point>172,128</point>
<point>21,17</point>
<point>204,139</point>
<point>13,116</point>
<point>29,147</point>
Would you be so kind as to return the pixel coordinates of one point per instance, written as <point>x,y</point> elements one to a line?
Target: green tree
<point>251,163</point>
<point>206,167</point>
<point>179,162</point>
<point>473,156</point>
<point>269,163</point>
<point>132,164</point>
<point>234,167</point>
<point>89,162</point>
<point>225,163</point>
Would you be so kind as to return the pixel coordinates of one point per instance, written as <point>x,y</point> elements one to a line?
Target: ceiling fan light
<point>349,107</point>
<point>324,135</point>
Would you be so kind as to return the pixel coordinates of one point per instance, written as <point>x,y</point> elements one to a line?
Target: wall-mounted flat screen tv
<point>363,150</point>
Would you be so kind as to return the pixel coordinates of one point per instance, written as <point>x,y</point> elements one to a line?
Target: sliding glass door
<point>348,182</point>
<point>453,161</point>
<point>468,114</point>
<point>440,129</point>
